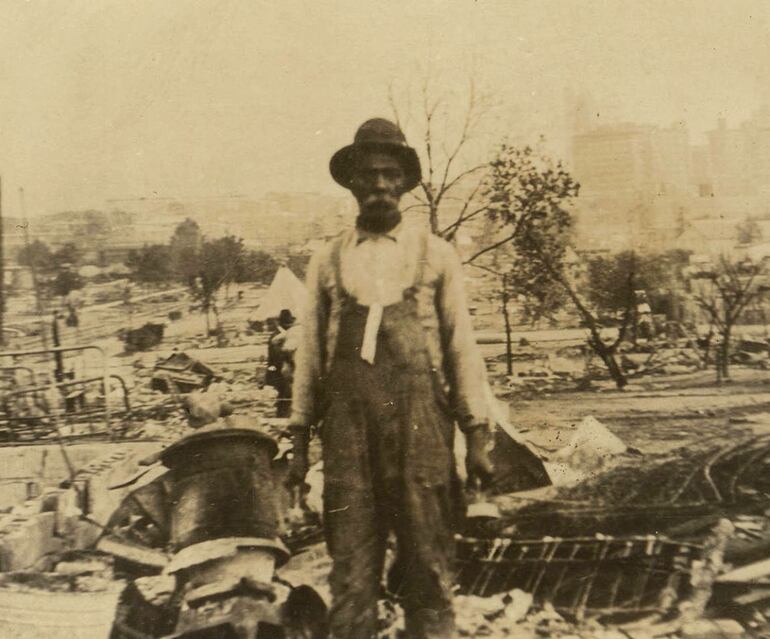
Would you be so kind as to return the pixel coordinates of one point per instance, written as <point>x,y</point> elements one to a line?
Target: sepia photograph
<point>374,319</point>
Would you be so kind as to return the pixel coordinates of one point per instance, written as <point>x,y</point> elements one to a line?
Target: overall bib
<point>388,466</point>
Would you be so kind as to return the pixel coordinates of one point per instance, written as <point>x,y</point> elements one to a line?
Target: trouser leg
<point>283,399</point>
<point>424,561</point>
<point>356,544</point>
<point>283,407</point>
<point>355,535</point>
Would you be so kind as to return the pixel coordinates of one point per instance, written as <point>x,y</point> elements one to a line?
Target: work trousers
<point>388,467</point>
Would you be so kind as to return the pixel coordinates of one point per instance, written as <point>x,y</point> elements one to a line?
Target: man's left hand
<point>477,462</point>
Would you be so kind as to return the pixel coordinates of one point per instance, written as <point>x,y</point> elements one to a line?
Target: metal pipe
<point>70,349</point>
<point>75,382</point>
<point>57,356</point>
<point>33,269</point>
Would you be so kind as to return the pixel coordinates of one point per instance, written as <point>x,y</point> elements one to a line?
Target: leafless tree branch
<point>463,216</point>
<point>489,248</point>
<point>461,219</point>
<point>419,205</point>
<point>453,182</point>
<point>464,132</point>
<point>489,270</point>
<point>394,106</point>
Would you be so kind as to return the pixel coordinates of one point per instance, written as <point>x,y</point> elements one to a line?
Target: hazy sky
<point>130,98</point>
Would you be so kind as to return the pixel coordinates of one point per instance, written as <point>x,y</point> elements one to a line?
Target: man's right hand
<point>300,461</point>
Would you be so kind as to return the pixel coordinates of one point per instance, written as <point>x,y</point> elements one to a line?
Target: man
<point>280,362</point>
<point>386,366</point>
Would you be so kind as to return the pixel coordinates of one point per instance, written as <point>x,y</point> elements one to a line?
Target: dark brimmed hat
<point>382,135</point>
<point>286,317</point>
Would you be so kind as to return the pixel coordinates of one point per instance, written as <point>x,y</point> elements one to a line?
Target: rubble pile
<point>518,613</point>
<point>659,492</point>
<point>753,352</point>
<point>69,572</point>
<point>537,371</point>
<point>618,549</point>
<point>157,409</point>
<point>76,600</point>
<point>567,368</point>
<point>180,373</point>
<point>686,355</point>
<point>552,375</point>
<point>144,338</point>
<point>661,359</point>
<point>513,615</point>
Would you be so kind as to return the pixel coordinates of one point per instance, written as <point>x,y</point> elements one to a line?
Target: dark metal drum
<point>222,486</point>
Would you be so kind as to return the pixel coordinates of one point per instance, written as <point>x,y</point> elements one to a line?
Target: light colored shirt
<point>392,259</point>
<point>375,267</point>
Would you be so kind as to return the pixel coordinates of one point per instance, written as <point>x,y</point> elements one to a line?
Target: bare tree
<point>216,264</point>
<point>732,287</point>
<point>446,139</point>
<point>554,269</point>
<point>528,198</point>
<point>503,278</point>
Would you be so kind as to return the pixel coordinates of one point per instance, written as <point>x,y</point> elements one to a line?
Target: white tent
<point>286,291</point>
<point>89,270</point>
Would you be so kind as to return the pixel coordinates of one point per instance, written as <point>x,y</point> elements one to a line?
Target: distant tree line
<point>205,265</point>
<point>39,255</point>
<point>56,269</point>
<point>189,255</point>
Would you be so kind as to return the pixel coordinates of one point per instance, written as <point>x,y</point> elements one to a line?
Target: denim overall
<point>388,464</point>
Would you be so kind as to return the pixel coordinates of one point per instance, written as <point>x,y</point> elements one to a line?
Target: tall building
<point>740,157</point>
<point>632,158</point>
<point>634,181</point>
<point>728,155</point>
<point>701,174</point>
<point>671,159</point>
<point>645,186</point>
<point>613,159</point>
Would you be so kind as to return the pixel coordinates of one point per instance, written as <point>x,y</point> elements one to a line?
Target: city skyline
<point>115,100</point>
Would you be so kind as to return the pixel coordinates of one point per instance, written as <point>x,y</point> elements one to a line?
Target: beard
<point>379,216</point>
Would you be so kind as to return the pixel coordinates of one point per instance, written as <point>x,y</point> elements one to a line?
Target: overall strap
<point>336,258</point>
<point>422,259</point>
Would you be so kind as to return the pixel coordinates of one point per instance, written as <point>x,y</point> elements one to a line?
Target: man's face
<point>377,184</point>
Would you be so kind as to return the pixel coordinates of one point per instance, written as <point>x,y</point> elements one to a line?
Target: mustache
<point>379,217</point>
<point>374,197</point>
<point>378,206</point>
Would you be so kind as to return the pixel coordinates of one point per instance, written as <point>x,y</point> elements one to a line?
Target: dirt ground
<point>653,414</point>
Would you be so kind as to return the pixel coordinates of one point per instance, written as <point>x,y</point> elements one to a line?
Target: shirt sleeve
<point>307,373</point>
<point>463,364</point>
